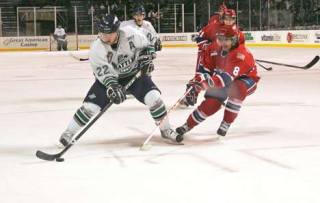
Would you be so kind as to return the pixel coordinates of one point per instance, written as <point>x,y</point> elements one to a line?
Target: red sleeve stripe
<point>221,82</point>
<point>252,88</point>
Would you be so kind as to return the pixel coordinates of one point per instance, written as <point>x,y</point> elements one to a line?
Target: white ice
<point>270,155</point>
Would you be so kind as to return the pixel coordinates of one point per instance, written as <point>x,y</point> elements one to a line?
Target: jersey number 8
<point>236,71</point>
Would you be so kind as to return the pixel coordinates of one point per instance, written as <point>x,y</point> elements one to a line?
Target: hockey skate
<point>181,131</point>
<point>169,135</point>
<point>223,128</point>
<point>66,138</point>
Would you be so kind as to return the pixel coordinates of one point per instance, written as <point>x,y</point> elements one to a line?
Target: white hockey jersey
<point>146,28</point>
<point>109,64</point>
<point>59,32</point>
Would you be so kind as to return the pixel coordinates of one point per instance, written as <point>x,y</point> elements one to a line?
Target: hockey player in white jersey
<point>116,56</point>
<point>144,26</point>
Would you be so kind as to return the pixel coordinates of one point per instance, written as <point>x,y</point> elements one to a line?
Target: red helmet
<point>228,32</point>
<point>230,12</point>
<point>222,8</point>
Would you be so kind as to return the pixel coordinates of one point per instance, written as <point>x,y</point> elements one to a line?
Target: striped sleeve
<point>222,79</point>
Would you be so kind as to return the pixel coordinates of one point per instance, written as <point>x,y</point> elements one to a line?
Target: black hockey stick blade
<point>309,65</point>
<point>262,66</point>
<point>312,63</point>
<point>83,59</point>
<point>47,157</point>
<point>78,58</point>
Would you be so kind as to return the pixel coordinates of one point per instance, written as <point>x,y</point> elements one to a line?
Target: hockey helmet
<point>229,32</point>
<point>108,24</point>
<point>222,8</point>
<point>230,13</point>
<point>139,10</point>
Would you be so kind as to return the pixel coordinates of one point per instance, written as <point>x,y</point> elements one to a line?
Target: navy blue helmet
<point>139,10</point>
<point>108,24</point>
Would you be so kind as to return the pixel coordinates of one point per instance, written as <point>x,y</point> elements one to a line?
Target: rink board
<point>290,38</point>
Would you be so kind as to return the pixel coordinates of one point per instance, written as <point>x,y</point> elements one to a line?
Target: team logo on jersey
<point>124,63</point>
<point>109,56</point>
<point>240,56</point>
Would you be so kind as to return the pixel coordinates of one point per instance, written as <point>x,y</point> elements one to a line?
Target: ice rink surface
<point>271,154</point>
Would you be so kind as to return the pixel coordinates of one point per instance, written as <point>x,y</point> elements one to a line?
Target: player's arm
<point>155,39</point>
<point>104,71</point>
<point>221,77</point>
<point>202,38</point>
<point>102,68</point>
<point>145,52</point>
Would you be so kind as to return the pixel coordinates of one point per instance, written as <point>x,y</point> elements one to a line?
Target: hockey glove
<point>146,65</point>
<point>158,45</point>
<point>145,60</point>
<point>201,42</point>
<point>201,81</point>
<point>116,93</point>
<point>148,51</point>
<point>191,97</point>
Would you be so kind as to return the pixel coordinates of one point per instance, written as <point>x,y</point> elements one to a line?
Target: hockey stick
<point>58,157</point>
<point>262,66</point>
<point>145,145</point>
<point>78,58</point>
<point>309,65</point>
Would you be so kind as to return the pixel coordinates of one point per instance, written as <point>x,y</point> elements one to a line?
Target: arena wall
<point>291,38</point>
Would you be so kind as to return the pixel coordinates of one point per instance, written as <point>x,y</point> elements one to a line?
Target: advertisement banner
<point>272,37</point>
<point>316,37</point>
<point>297,37</point>
<point>86,40</point>
<point>178,39</point>
<point>249,36</point>
<point>289,38</point>
<point>34,43</point>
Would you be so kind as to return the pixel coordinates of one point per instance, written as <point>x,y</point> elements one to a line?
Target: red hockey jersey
<point>237,63</point>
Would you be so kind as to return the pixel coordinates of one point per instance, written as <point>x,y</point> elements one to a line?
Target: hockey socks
<point>233,107</point>
<point>80,118</point>
<point>207,108</point>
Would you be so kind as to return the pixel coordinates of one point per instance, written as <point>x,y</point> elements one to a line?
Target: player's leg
<point>239,90</point>
<point>212,104</point>
<point>65,45</point>
<point>59,46</point>
<point>148,93</point>
<point>95,100</point>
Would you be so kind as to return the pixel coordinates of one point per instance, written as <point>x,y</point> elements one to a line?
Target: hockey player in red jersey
<point>207,37</point>
<point>228,76</point>
<point>219,15</point>
<point>208,33</point>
